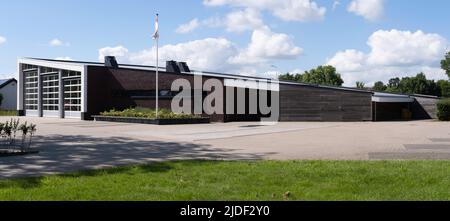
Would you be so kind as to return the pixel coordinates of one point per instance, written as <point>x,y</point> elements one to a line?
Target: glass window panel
<point>72,95</point>
<point>30,88</point>
<point>50,91</point>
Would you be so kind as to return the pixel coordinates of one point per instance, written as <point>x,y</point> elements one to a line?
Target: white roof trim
<point>53,64</point>
<point>253,84</point>
<point>392,98</point>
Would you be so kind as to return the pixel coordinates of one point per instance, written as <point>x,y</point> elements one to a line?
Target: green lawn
<point>261,180</point>
<point>8,113</point>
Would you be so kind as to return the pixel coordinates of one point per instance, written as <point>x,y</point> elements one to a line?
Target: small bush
<point>443,107</point>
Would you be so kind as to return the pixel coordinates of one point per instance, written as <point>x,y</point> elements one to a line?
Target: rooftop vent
<point>183,67</point>
<point>111,62</point>
<point>172,66</point>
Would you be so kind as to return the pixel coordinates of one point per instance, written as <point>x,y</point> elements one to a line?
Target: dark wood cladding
<point>297,103</point>
<point>424,108</point>
<point>103,82</point>
<point>309,103</point>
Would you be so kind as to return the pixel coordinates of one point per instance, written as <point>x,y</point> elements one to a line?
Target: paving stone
<point>409,156</point>
<point>440,140</point>
<point>427,146</point>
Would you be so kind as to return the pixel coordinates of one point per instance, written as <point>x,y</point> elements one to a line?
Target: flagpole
<point>157,73</point>
<point>157,65</point>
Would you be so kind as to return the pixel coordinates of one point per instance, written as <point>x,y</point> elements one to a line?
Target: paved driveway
<point>72,145</point>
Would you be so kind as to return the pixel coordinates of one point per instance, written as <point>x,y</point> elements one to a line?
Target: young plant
<point>31,131</point>
<point>24,128</point>
<point>2,126</point>
<point>2,135</point>
<point>14,128</point>
<point>8,131</point>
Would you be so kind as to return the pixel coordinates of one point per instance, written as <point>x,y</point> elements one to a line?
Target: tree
<point>360,85</point>
<point>414,85</point>
<point>444,87</point>
<point>379,86</point>
<point>393,85</point>
<point>445,64</point>
<point>325,75</point>
<point>418,85</point>
<point>290,77</point>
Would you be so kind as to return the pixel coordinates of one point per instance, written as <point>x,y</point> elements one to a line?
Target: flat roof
<point>204,73</point>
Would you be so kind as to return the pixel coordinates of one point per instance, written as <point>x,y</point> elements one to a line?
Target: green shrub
<point>146,113</point>
<point>443,107</point>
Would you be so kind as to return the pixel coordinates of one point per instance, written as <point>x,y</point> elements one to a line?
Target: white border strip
<point>381,99</point>
<point>252,84</point>
<point>53,64</point>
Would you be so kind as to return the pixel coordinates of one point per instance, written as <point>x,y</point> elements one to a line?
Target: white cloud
<point>216,54</point>
<point>120,52</point>
<point>213,22</point>
<point>267,45</point>
<point>243,20</point>
<point>2,40</point>
<point>58,43</point>
<point>246,15</point>
<point>369,9</point>
<point>405,48</point>
<point>287,10</point>
<point>206,54</point>
<point>297,71</point>
<point>336,3</point>
<point>188,27</point>
<point>64,58</point>
<point>236,21</point>
<point>348,60</point>
<point>393,53</point>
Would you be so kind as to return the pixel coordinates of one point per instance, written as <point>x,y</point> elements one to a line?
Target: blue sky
<point>367,40</point>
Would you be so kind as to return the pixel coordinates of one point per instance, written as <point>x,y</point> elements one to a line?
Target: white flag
<point>156,34</point>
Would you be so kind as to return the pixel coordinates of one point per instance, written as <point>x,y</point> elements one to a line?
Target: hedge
<point>147,114</point>
<point>443,107</point>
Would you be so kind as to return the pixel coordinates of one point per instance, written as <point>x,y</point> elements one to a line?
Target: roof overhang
<point>53,64</point>
<point>253,84</point>
<point>392,98</point>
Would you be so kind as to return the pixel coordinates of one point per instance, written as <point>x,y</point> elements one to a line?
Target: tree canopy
<point>419,84</point>
<point>414,85</point>
<point>445,88</point>
<point>360,85</point>
<point>379,86</point>
<point>445,64</point>
<point>324,75</point>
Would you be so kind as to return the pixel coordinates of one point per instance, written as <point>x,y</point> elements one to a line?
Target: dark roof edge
<point>326,87</point>
<point>411,95</point>
<point>126,66</point>
<point>8,82</point>
<point>425,96</point>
